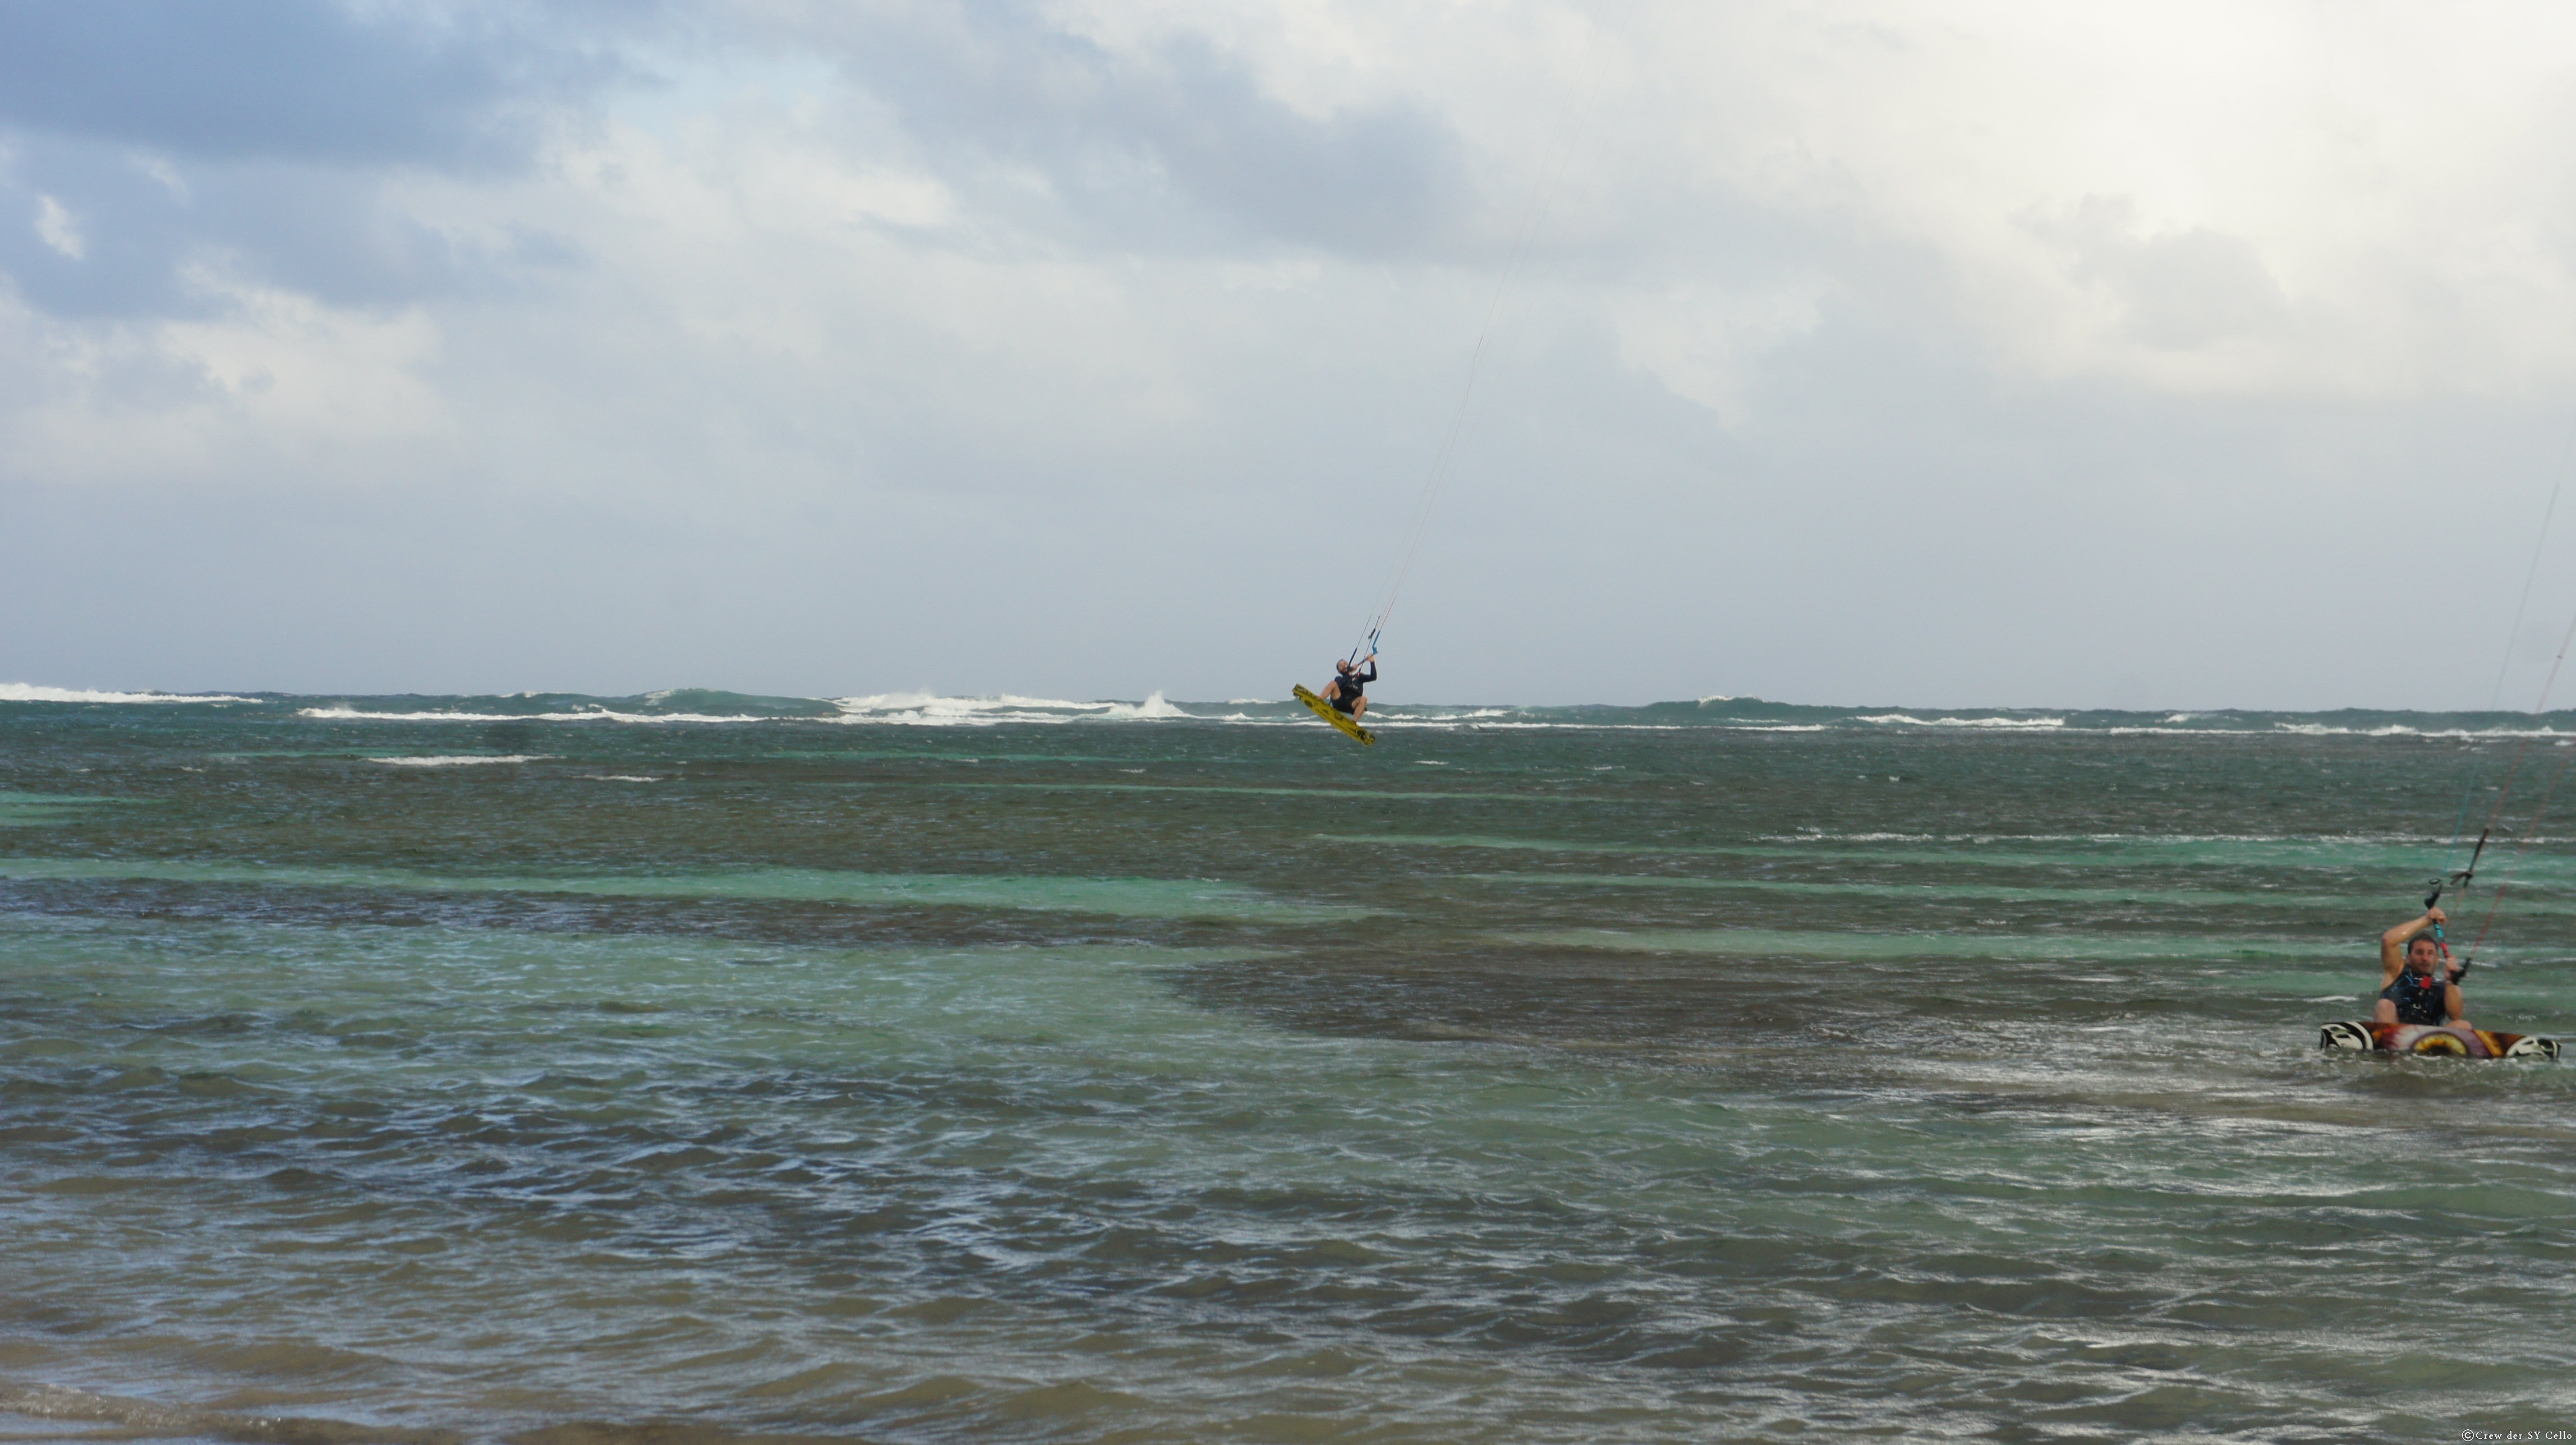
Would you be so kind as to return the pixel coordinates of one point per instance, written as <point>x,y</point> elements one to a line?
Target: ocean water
<point>700,1067</point>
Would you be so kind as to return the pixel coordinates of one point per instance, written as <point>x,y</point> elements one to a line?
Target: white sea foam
<point>1154,706</point>
<point>28,692</point>
<point>1597,727</point>
<point>915,709</point>
<point>351,714</point>
<point>2170,732</point>
<point>2372,840</point>
<point>2401,730</point>
<point>457,761</point>
<point>1963,722</point>
<point>923,709</point>
<point>1002,702</point>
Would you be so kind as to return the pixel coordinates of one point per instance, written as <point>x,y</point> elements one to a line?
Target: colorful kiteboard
<point>1335,716</point>
<point>2444,1040</point>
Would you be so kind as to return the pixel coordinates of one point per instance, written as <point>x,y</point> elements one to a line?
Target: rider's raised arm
<point>2392,945</point>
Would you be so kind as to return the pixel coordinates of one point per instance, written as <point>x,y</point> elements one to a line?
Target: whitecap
<point>338,714</point>
<point>2171,732</point>
<point>2395,730</point>
<point>1597,727</point>
<point>351,714</point>
<point>916,709</point>
<point>457,761</point>
<point>914,701</point>
<point>28,692</point>
<point>1963,722</point>
<point>1155,706</point>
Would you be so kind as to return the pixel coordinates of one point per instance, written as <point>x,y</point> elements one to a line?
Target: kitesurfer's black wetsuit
<point>1347,695</point>
<point>2419,1000</point>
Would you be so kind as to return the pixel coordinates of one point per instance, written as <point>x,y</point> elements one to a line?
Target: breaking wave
<point>2404,730</point>
<point>1961,722</point>
<point>29,692</point>
<point>924,708</point>
<point>930,710</point>
<point>348,714</point>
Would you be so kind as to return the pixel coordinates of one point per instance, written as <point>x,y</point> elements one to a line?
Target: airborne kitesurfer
<point>1343,692</point>
<point>2413,986</point>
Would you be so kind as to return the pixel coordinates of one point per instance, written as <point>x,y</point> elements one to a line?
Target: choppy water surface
<point>562,1069</point>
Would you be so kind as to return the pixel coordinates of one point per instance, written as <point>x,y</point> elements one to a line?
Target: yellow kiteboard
<point>1335,716</point>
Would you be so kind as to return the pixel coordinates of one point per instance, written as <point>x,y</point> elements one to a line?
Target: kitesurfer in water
<point>1343,692</point>
<point>2414,988</point>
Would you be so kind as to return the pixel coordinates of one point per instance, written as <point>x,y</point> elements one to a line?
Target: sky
<point>2178,355</point>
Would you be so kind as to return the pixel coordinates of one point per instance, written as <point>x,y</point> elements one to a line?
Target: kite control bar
<point>2455,882</point>
<point>1371,644</point>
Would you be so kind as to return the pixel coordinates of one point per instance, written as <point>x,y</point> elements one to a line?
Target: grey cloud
<point>324,231</point>
<point>2176,289</point>
<point>115,209</point>
<point>1388,179</point>
<point>280,120</point>
<point>1894,514</point>
<point>1180,147</point>
<point>1910,530</point>
<point>282,79</point>
<point>253,138</point>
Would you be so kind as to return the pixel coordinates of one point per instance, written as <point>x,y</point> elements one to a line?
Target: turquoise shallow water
<point>713,1068</point>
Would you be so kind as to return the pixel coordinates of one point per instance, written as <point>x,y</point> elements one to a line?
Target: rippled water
<point>1533,1077</point>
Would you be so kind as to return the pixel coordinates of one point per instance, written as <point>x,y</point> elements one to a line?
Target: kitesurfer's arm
<point>1369,662</point>
<point>2392,944</point>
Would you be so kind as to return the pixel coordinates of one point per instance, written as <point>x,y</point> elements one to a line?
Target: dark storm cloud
<point>1178,144</point>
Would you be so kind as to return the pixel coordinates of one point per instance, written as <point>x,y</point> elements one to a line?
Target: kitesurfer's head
<point>2421,950</point>
<point>1342,666</point>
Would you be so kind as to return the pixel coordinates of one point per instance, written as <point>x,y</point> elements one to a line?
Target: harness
<point>2419,998</point>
